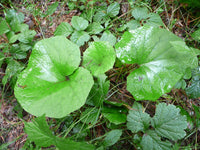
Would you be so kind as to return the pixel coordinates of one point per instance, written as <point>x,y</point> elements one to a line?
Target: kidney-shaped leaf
<point>162,58</point>
<point>99,57</point>
<point>52,84</point>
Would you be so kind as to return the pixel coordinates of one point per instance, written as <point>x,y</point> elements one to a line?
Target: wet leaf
<point>162,59</point>
<point>52,84</point>
<point>114,115</point>
<point>99,58</point>
<point>94,28</point>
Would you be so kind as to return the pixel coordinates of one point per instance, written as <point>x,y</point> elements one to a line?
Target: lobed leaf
<point>137,119</point>
<point>168,122</point>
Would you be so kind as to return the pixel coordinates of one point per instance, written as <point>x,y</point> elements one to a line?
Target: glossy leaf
<point>99,58</point>
<point>137,119</point>
<point>52,84</point>
<point>113,9</point>
<point>162,59</point>
<point>133,24</point>
<point>154,20</point>
<point>108,37</point>
<point>79,23</point>
<point>114,115</point>
<point>12,37</point>
<point>150,141</point>
<point>168,122</point>
<point>80,37</point>
<point>112,137</point>
<point>64,29</point>
<point>26,36</point>
<point>39,132</point>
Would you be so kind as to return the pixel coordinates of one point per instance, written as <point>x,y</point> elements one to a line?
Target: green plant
<point>18,42</point>
<point>53,71</point>
<point>166,123</point>
<point>162,59</point>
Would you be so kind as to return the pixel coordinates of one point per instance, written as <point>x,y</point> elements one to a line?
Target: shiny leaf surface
<point>63,29</point>
<point>161,56</point>
<point>52,84</point>
<point>99,58</point>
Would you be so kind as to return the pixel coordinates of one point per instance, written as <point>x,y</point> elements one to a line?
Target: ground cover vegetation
<point>93,74</point>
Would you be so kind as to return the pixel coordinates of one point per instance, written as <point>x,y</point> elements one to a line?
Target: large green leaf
<point>161,56</point>
<point>79,23</point>
<point>99,58</point>
<point>38,131</point>
<point>52,84</point>
<point>150,141</point>
<point>137,119</point>
<point>168,122</point>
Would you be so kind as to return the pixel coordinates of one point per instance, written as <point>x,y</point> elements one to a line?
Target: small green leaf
<point>17,52</point>
<point>112,137</point>
<point>63,29</point>
<point>90,116</point>
<point>100,17</point>
<point>99,58</point>
<point>114,115</point>
<point>181,84</point>
<point>154,20</point>
<point>79,23</point>
<point>53,71</point>
<point>196,35</point>
<point>150,141</point>
<point>12,37</point>
<point>80,37</point>
<point>4,28</point>
<point>168,122</point>
<point>95,28</point>
<point>140,13</point>
<point>137,119</point>
<point>113,9</point>
<point>108,37</point>
<point>193,90</point>
<point>26,36</point>
<point>133,24</point>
